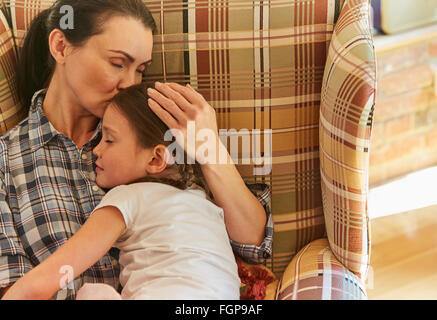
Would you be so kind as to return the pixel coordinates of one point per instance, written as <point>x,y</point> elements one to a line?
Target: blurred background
<point>403,156</point>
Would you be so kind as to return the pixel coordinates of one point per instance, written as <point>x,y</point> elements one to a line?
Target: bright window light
<point>414,191</point>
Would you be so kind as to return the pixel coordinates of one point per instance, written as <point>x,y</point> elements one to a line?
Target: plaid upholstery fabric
<point>348,97</point>
<point>315,274</point>
<point>11,111</point>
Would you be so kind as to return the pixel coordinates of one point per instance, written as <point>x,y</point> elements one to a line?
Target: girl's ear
<point>157,160</point>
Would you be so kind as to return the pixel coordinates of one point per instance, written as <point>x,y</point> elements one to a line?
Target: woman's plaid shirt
<point>48,190</point>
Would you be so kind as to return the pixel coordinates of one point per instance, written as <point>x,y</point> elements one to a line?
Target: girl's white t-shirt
<point>175,246</point>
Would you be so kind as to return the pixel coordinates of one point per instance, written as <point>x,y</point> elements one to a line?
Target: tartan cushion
<point>315,274</point>
<point>348,97</point>
<point>261,65</point>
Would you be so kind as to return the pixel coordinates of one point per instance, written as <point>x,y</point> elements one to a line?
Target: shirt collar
<point>41,131</point>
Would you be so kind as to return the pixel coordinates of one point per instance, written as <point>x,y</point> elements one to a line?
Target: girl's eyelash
<point>108,141</point>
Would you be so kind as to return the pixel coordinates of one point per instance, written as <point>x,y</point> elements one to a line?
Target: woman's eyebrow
<point>131,59</point>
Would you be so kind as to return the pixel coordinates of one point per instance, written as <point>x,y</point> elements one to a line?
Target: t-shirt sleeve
<point>125,199</point>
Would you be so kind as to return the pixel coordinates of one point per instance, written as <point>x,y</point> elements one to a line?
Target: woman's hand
<point>176,106</point>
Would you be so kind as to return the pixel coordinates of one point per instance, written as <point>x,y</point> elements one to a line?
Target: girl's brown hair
<point>150,131</point>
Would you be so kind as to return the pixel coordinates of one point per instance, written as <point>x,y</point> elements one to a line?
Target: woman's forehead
<point>127,35</point>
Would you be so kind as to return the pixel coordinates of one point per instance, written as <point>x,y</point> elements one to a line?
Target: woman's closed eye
<point>142,70</point>
<point>120,66</point>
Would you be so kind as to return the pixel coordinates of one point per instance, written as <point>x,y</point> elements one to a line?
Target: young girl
<point>173,241</point>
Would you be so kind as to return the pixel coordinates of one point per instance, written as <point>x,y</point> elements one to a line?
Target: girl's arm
<point>245,217</point>
<point>80,252</point>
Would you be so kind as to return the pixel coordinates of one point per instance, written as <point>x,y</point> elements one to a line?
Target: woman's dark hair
<point>150,131</point>
<point>36,64</point>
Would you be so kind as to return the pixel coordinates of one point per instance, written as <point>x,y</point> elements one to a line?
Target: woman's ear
<point>58,45</point>
<point>157,160</point>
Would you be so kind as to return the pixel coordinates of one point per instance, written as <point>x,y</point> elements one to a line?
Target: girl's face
<point>108,63</point>
<point>121,159</point>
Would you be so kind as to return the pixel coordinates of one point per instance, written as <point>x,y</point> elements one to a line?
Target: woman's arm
<point>81,251</point>
<point>245,217</point>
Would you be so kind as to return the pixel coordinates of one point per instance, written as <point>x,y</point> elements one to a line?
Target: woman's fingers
<point>188,93</point>
<point>168,104</point>
<point>166,117</point>
<point>173,95</point>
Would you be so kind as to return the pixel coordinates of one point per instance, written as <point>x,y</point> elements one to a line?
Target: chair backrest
<point>261,64</point>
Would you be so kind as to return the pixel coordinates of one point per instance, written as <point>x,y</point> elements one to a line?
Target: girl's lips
<point>98,169</point>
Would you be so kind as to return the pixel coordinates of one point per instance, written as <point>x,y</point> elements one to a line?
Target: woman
<point>47,172</point>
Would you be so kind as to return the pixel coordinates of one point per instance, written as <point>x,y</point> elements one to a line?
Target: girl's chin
<point>101,183</point>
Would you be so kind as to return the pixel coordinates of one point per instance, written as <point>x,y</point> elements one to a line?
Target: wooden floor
<point>404,256</point>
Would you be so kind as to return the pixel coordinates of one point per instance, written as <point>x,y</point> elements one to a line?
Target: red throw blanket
<point>254,280</point>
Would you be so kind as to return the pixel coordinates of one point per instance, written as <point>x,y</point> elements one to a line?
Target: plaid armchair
<point>304,70</point>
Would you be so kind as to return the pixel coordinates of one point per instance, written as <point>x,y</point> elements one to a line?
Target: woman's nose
<point>128,79</point>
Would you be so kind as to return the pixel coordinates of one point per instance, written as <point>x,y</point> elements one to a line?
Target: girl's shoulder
<point>151,192</point>
<point>143,188</point>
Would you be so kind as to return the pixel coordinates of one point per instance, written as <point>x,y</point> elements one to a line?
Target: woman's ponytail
<point>34,67</point>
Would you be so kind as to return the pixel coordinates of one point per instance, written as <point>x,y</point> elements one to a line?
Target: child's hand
<point>176,106</point>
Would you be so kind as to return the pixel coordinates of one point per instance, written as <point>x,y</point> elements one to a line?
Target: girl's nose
<point>96,150</point>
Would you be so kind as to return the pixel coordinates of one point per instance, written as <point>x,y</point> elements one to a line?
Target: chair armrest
<point>346,115</point>
<point>315,274</point>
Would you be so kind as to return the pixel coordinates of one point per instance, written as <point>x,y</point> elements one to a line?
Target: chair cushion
<point>348,97</point>
<point>315,274</point>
